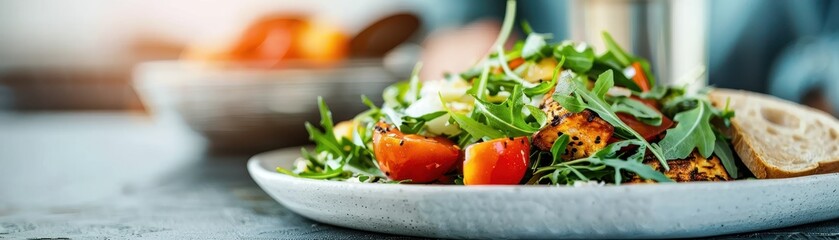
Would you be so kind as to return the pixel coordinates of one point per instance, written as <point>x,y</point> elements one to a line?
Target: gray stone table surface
<point>124,176</point>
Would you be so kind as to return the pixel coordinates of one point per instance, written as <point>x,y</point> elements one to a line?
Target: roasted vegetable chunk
<point>588,132</point>
<point>693,168</point>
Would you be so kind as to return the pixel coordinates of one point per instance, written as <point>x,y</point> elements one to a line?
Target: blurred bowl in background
<point>246,110</point>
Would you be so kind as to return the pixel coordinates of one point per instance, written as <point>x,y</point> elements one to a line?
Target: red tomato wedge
<point>411,156</point>
<point>498,161</point>
<point>640,78</point>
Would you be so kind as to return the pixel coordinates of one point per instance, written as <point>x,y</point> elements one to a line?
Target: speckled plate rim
<point>261,168</point>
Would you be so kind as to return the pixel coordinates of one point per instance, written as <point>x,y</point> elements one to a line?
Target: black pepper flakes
<point>590,117</point>
<point>401,142</point>
<point>379,129</point>
<point>555,121</point>
<point>575,138</point>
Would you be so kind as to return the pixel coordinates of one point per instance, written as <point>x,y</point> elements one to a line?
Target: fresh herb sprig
<point>334,157</point>
<point>595,101</point>
<point>607,164</point>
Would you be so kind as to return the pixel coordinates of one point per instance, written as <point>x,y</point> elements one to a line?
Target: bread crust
<point>745,146</point>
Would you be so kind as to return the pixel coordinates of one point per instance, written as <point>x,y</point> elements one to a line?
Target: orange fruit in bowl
<point>274,39</point>
<point>321,42</point>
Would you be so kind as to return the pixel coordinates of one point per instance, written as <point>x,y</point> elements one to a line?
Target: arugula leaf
<point>393,116</point>
<point>412,125</point>
<point>611,150</point>
<point>394,95</point>
<point>507,25</point>
<point>601,67</point>
<point>525,27</point>
<point>623,59</point>
<point>643,171</point>
<point>475,129</point>
<point>637,109</point>
<point>478,89</point>
<point>563,93</point>
<point>506,28</point>
<point>559,148</point>
<point>538,115</point>
<point>507,116</point>
<point>657,92</point>
<point>616,50</point>
<point>673,105</point>
<point>723,151</point>
<point>369,103</point>
<point>325,118</point>
<point>693,131</point>
<point>726,113</point>
<point>534,46</point>
<point>599,166</point>
<point>594,101</point>
<point>579,61</point>
<point>336,158</point>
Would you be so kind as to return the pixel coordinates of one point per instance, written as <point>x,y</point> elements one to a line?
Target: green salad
<point>543,112</point>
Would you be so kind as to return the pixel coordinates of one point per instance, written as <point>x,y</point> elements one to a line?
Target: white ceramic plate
<point>627,211</point>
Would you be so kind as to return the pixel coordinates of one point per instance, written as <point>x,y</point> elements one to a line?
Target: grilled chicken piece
<point>693,168</point>
<point>588,132</point>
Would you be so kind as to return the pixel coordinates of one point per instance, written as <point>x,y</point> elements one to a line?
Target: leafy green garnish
<point>413,125</point>
<point>600,67</point>
<point>594,101</point>
<point>336,157</point>
<point>616,51</point>
<point>625,60</point>
<point>692,131</point>
<point>726,113</point>
<point>723,151</point>
<point>535,46</point>
<point>643,171</point>
<point>525,27</point>
<point>559,148</point>
<point>476,129</point>
<point>637,109</point>
<point>657,92</point>
<point>540,117</point>
<point>578,61</point>
<point>563,93</point>
<point>601,165</point>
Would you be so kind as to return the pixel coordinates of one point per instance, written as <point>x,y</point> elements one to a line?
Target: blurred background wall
<point>58,55</point>
<point>66,55</point>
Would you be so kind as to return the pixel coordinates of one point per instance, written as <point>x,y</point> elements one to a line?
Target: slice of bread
<point>776,138</point>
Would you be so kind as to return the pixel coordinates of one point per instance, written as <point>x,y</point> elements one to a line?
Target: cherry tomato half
<point>411,156</point>
<point>498,161</point>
